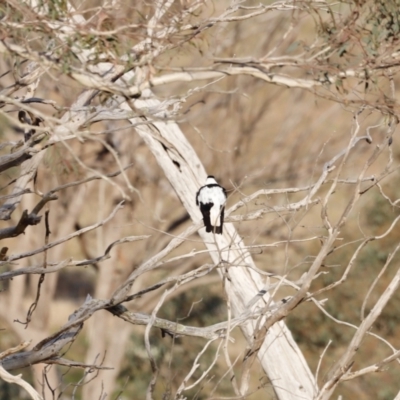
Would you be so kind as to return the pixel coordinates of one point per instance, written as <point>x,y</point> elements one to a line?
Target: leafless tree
<point>110,113</point>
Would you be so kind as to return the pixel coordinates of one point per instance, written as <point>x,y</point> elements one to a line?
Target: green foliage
<point>174,356</point>
<point>345,302</point>
<point>11,391</point>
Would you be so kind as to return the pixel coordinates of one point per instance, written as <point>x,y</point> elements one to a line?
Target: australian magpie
<point>211,199</point>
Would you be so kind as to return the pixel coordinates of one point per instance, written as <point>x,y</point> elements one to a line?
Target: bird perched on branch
<point>211,199</point>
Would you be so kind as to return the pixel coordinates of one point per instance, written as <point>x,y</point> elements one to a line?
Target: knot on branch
<point>25,220</point>
<point>30,219</point>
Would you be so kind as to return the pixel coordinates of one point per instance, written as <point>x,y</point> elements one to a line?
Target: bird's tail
<point>218,229</point>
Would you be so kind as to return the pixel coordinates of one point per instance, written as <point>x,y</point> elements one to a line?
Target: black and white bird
<point>211,199</point>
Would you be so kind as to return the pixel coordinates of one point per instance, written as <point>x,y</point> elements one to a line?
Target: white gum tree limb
<point>279,354</point>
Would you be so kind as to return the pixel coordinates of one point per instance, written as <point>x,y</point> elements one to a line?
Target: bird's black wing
<point>205,210</point>
<point>197,197</point>
<point>218,229</point>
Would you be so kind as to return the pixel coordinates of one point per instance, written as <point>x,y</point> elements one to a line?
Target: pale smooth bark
<point>279,355</point>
